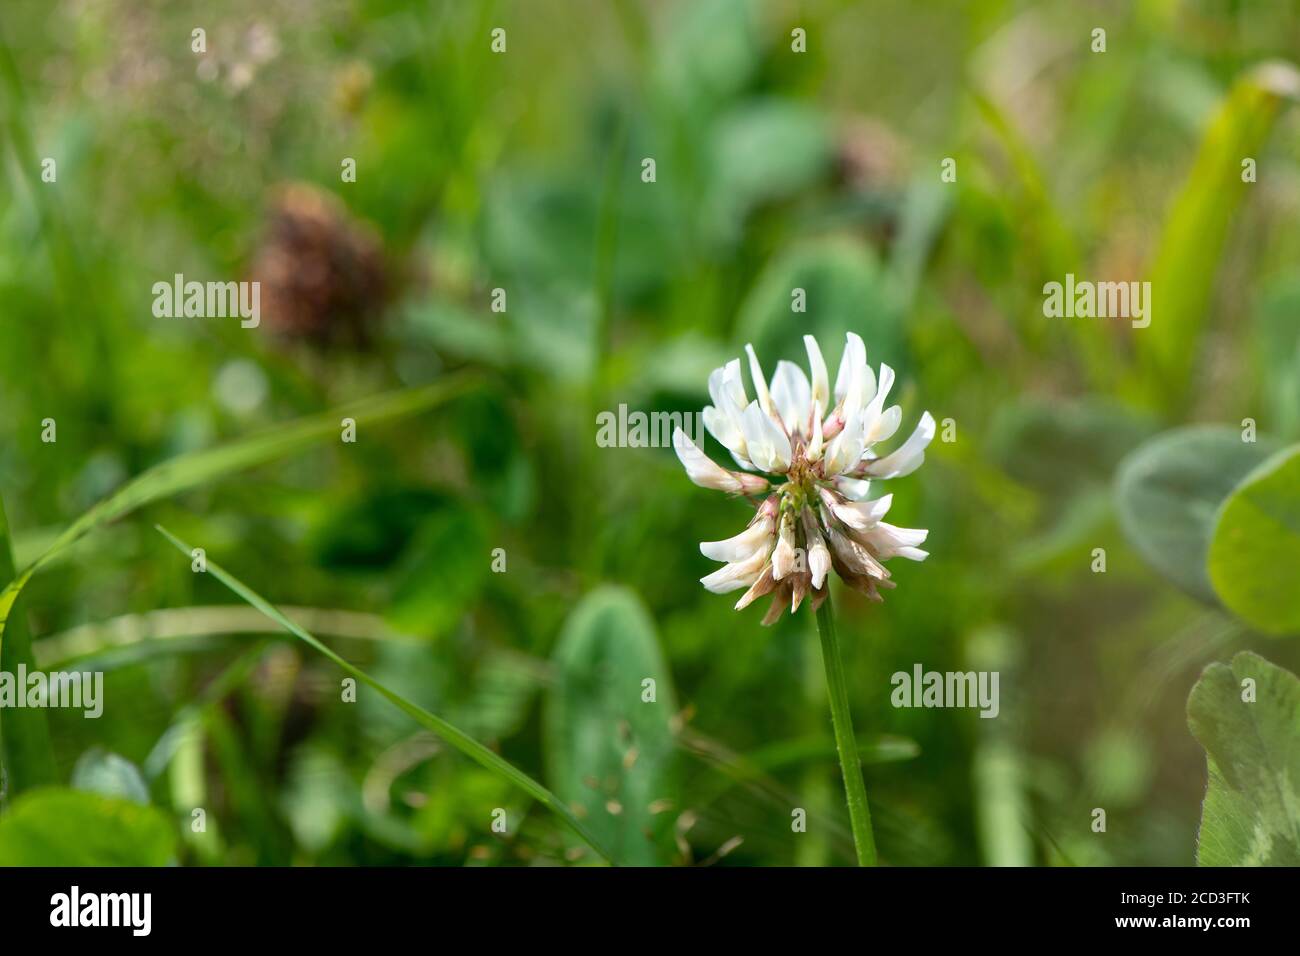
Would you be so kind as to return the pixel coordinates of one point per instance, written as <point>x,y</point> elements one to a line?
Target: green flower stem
<point>854,790</point>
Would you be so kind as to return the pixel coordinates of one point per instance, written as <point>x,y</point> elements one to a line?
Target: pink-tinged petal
<point>783,558</point>
<point>845,448</point>
<point>763,585</point>
<point>702,470</point>
<point>907,457</point>
<point>819,557</point>
<point>855,557</point>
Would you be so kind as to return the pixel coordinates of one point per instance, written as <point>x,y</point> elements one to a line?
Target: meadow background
<point>522,171</point>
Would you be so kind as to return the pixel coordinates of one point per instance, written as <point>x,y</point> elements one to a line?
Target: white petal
<point>884,425</point>
<point>760,383</point>
<point>845,448</point>
<point>726,431</point>
<point>737,575</point>
<point>769,447</point>
<point>782,557</point>
<point>907,457</point>
<point>821,389</point>
<point>733,385</point>
<point>888,541</point>
<point>792,397</point>
<point>877,400</point>
<point>814,449</point>
<point>742,546</point>
<point>854,357</point>
<point>861,515</point>
<point>855,489</point>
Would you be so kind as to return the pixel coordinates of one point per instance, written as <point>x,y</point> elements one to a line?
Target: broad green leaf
<point>846,291</point>
<point>189,471</point>
<point>1254,559</point>
<point>1169,490</point>
<point>609,751</point>
<point>1251,735</point>
<point>449,733</point>
<point>1183,276</point>
<point>432,593</point>
<point>763,151</point>
<point>52,826</point>
<point>709,52</point>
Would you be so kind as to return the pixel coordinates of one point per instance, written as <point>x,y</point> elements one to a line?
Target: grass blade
<point>194,469</point>
<point>451,734</point>
<point>1186,265</point>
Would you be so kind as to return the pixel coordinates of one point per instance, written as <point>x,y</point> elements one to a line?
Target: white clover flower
<point>821,515</point>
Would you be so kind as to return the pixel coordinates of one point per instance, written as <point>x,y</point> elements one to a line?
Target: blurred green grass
<point>521,172</point>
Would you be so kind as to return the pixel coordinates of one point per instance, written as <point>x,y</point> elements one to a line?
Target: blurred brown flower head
<point>323,274</point>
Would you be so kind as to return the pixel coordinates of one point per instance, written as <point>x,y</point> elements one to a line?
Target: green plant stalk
<point>26,754</point>
<point>855,792</point>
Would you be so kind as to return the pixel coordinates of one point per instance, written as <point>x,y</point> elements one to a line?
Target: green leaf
<point>432,593</point>
<point>1251,814</point>
<point>52,826</point>
<point>188,471</point>
<point>763,151</point>
<point>1254,554</point>
<point>1169,490</point>
<point>99,771</point>
<point>1183,277</point>
<point>846,291</point>
<point>608,751</point>
<point>449,733</point>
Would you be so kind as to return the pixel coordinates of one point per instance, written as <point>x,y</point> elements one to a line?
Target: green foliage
<point>451,734</point>
<point>1251,736</point>
<point>609,751</point>
<point>198,468</point>
<point>776,170</point>
<point>51,826</point>
<point>1186,266</point>
<point>846,289</point>
<point>1254,556</point>
<point>1168,493</point>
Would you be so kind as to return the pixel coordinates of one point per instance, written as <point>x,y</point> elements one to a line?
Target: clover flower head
<point>815,511</point>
